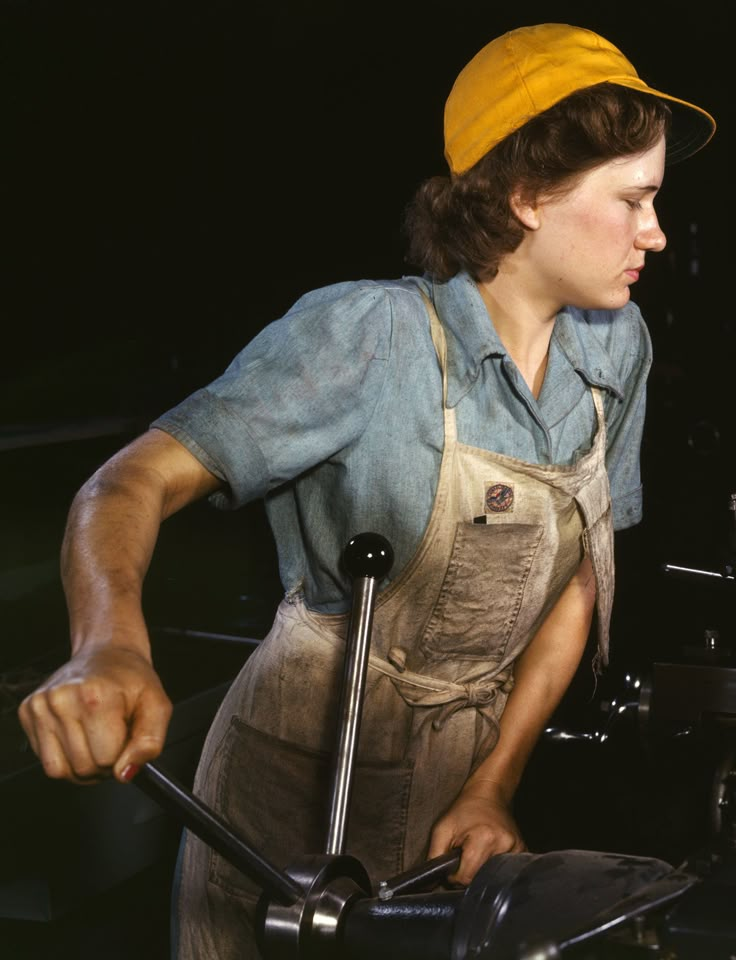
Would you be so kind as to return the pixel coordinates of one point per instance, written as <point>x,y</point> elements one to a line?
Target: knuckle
<point>54,767</point>
<point>33,707</point>
<point>58,698</point>
<point>159,702</point>
<point>25,714</point>
<point>92,695</point>
<point>487,834</point>
<point>149,746</point>
<point>87,696</point>
<point>86,770</point>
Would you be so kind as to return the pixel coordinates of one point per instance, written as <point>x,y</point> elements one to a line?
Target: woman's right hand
<point>103,713</point>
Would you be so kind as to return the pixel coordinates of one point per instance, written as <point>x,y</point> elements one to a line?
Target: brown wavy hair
<point>465,222</point>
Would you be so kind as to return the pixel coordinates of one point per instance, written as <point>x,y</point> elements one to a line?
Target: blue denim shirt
<point>333,414</point>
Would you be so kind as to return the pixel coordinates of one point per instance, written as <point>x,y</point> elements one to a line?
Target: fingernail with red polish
<point>130,771</point>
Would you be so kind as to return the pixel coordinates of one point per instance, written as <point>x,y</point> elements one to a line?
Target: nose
<point>651,236</point>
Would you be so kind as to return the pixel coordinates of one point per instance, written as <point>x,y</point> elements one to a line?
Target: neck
<point>524,331</point>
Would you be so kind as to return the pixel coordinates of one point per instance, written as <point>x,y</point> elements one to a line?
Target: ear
<point>526,209</point>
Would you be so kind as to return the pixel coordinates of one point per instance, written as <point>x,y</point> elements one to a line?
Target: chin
<point>617,299</point>
<point>614,301</point>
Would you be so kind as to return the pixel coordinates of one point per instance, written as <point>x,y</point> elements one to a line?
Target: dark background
<point>172,176</point>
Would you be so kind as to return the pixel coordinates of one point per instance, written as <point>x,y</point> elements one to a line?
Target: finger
<point>42,731</point>
<point>27,722</point>
<point>64,750</point>
<point>480,846</point>
<point>147,732</point>
<point>58,737</point>
<point>442,841</point>
<point>55,759</point>
<point>87,764</point>
<point>106,737</point>
<point>473,857</point>
<point>91,736</point>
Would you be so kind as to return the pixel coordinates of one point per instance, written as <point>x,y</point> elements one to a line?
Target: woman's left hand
<point>483,825</point>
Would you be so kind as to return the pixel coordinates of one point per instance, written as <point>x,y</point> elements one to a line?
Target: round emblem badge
<point>499,498</point>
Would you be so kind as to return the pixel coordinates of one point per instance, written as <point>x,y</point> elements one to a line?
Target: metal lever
<point>728,568</point>
<point>368,557</point>
<point>425,875</point>
<point>215,832</point>
<point>725,575</point>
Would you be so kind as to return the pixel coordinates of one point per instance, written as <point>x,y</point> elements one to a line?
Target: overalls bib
<point>503,540</point>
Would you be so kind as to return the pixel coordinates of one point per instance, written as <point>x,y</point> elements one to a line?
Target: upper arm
<point>162,465</point>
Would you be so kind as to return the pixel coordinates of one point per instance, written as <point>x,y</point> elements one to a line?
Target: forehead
<point>640,170</point>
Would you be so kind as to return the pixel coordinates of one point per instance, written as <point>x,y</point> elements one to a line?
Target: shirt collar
<point>586,353</point>
<point>471,338</point>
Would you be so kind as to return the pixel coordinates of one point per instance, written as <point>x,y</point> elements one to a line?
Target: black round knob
<point>368,555</point>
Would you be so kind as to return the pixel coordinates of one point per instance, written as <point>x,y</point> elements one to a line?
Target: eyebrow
<point>648,188</point>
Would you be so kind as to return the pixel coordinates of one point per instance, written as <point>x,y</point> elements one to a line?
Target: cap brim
<point>691,127</point>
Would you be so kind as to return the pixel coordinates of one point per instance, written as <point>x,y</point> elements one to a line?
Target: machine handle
<point>368,557</point>
<point>425,875</point>
<point>208,826</point>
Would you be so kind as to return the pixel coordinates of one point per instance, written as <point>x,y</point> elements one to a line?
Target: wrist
<point>493,789</point>
<point>113,633</point>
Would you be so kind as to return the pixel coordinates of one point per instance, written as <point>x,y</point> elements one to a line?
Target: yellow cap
<point>528,70</point>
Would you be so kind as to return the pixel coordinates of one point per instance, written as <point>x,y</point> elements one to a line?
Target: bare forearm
<point>108,543</point>
<point>111,533</point>
<point>105,711</point>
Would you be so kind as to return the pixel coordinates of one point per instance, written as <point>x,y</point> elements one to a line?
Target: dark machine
<point>570,903</point>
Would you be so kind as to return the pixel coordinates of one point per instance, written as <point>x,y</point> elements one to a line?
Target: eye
<point>633,204</point>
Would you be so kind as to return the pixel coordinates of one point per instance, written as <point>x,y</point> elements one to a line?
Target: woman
<point>486,417</point>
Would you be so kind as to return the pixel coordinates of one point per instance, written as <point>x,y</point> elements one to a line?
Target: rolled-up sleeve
<point>626,419</point>
<point>305,387</point>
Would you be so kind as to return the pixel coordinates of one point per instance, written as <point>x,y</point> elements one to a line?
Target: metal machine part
<point>723,802</point>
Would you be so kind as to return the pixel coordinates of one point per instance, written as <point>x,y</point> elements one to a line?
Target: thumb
<point>442,840</point>
<point>147,733</point>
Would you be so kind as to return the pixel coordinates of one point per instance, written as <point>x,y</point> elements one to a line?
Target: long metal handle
<point>368,558</point>
<point>208,826</point>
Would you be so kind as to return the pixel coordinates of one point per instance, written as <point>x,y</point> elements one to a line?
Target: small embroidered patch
<point>499,498</point>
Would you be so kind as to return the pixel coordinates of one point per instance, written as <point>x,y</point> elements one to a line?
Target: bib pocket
<point>482,591</point>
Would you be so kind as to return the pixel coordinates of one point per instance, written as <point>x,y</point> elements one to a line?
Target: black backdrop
<point>174,174</point>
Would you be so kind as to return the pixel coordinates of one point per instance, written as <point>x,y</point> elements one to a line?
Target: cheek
<point>594,224</point>
<point>600,235</point>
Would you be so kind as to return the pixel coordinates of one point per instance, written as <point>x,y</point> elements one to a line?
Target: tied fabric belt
<point>418,690</point>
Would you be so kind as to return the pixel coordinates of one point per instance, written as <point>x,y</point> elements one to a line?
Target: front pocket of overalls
<point>482,591</point>
<point>275,795</point>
